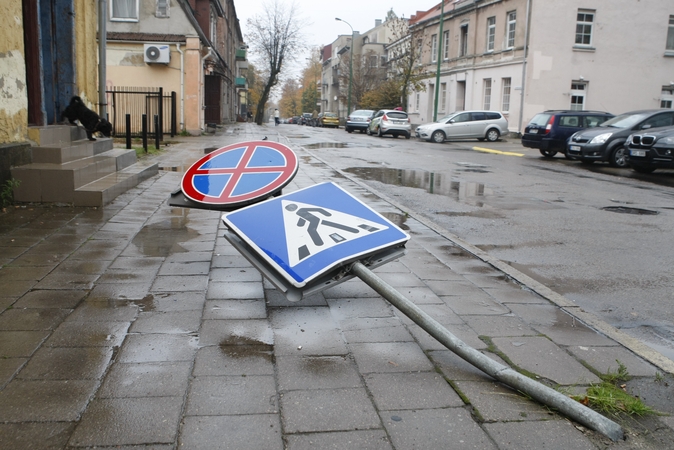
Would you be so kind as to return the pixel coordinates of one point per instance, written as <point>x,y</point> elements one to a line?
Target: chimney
<point>377,22</point>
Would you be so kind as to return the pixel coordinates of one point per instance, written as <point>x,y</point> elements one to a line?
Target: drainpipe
<point>203,83</point>
<point>524,65</point>
<point>102,76</point>
<point>182,88</point>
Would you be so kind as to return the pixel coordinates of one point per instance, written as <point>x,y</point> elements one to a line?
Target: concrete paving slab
<point>120,291</point>
<point>16,288</point>
<point>35,436</point>
<point>236,332</point>
<point>276,298</point>
<point>120,276</point>
<point>499,325</point>
<point>349,289</point>
<point>158,348</point>
<point>375,330</point>
<point>88,334</point>
<point>185,268</point>
<point>319,410</point>
<point>15,344</point>
<point>149,420</point>
<point>66,299</point>
<point>390,357</point>
<point>608,359</point>
<point>461,288</point>
<point>404,279</point>
<point>22,273</point>
<point>235,309</point>
<point>350,308</point>
<point>360,439</point>
<point>457,369</point>
<point>98,249</point>
<point>309,330</point>
<point>537,435</point>
<point>132,263</point>
<point>539,355</point>
<point>69,280</point>
<point>494,402</point>
<point>180,283</point>
<point>223,261</point>
<point>480,304</point>
<point>235,274</point>
<point>509,294</point>
<point>232,395</point>
<point>234,290</point>
<point>146,380</point>
<point>242,432</point>
<point>316,372</point>
<point>463,332</point>
<point>433,429</point>
<point>67,363</point>
<point>173,301</point>
<point>241,360</point>
<point>32,319</point>
<point>9,367</point>
<point>442,314</point>
<point>104,311</point>
<point>45,400</point>
<point>411,390</point>
<point>174,322</point>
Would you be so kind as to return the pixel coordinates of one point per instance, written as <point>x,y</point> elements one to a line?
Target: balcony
<point>241,54</point>
<point>240,82</point>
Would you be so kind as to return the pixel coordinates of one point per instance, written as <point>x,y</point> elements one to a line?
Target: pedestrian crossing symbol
<point>310,229</point>
<point>308,232</point>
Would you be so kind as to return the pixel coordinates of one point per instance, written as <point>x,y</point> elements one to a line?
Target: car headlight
<point>669,140</point>
<point>600,139</point>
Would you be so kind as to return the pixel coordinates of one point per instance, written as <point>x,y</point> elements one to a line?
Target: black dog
<point>91,121</point>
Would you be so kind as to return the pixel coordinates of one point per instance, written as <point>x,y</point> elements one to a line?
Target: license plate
<point>638,153</point>
<point>574,148</point>
<point>534,131</point>
<point>399,122</point>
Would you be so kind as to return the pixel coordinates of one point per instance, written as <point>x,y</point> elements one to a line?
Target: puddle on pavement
<point>326,145</point>
<point>297,136</point>
<point>163,238</point>
<point>245,347</point>
<point>431,182</point>
<point>629,210</point>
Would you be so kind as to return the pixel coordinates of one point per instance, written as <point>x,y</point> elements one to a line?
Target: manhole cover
<point>628,210</point>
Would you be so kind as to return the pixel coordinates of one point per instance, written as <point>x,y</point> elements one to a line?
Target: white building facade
<point>522,57</point>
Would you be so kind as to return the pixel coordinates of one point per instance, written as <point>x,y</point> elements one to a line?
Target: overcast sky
<point>324,29</point>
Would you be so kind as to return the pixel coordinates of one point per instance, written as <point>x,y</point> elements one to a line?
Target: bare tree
<point>275,36</point>
<point>405,59</point>
<point>369,72</point>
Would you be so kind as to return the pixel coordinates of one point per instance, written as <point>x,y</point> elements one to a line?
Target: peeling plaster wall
<point>86,50</point>
<point>13,96</point>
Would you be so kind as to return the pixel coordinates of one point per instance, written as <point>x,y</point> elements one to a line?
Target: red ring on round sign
<point>240,173</point>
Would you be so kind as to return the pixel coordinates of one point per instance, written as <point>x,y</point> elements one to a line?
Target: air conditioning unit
<point>157,54</point>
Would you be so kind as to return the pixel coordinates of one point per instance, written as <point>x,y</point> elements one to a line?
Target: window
<point>584,21</point>
<point>416,102</point>
<point>434,48</point>
<point>213,27</point>
<point>162,8</point>
<point>670,34</point>
<point>491,32</point>
<point>578,96</point>
<point>443,96</point>
<point>445,45</point>
<point>510,29</point>
<point>487,93</point>
<point>463,50</point>
<point>505,100</point>
<point>373,61</point>
<point>124,10</point>
<point>667,97</point>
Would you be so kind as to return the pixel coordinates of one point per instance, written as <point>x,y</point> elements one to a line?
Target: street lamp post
<point>348,104</point>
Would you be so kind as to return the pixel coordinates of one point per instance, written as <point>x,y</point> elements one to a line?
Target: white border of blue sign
<point>262,227</point>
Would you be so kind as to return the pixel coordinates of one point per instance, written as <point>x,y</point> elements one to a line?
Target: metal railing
<point>139,101</point>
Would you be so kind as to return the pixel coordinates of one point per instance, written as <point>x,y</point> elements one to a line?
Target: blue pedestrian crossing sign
<point>309,232</point>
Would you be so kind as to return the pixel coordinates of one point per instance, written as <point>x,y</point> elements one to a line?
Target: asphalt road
<point>598,235</point>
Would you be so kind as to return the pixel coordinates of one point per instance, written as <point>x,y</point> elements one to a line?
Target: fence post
<point>128,131</point>
<point>156,131</point>
<point>173,114</point>
<point>144,131</point>
<point>160,111</point>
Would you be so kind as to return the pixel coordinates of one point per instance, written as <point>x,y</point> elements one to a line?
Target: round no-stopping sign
<point>240,174</point>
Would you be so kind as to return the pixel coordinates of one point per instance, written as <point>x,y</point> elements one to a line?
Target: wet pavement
<point>138,326</point>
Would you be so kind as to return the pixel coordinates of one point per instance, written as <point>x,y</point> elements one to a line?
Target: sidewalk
<point>138,326</point>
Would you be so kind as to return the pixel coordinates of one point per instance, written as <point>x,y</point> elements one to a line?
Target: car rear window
<point>362,112</point>
<point>397,114</point>
<point>493,116</point>
<point>569,121</point>
<point>330,115</point>
<point>540,119</point>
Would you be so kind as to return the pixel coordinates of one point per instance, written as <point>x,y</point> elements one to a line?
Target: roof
<point>144,37</point>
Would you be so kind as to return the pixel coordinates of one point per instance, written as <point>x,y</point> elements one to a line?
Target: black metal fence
<point>139,101</point>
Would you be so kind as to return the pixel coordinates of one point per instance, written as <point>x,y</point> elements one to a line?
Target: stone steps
<point>68,168</point>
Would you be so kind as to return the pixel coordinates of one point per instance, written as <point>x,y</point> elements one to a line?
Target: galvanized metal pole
<point>538,391</point>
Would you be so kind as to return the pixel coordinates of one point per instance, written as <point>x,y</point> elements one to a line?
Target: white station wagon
<point>480,125</point>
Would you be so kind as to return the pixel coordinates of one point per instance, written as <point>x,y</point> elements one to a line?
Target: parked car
<point>607,142</point>
<point>650,150</point>
<point>328,119</point>
<point>305,119</point>
<point>390,121</point>
<point>480,125</point>
<point>296,120</point>
<point>359,120</point>
<point>549,131</point>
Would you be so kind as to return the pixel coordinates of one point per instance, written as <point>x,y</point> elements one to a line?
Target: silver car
<point>358,120</point>
<point>390,121</point>
<point>480,125</point>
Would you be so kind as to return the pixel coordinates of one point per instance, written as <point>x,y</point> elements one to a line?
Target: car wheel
<point>492,135</point>
<point>368,131</point>
<point>548,153</point>
<point>379,133</point>
<point>641,169</point>
<point>617,158</point>
<point>408,135</point>
<point>569,157</point>
<point>438,136</point>
<point>348,130</point>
